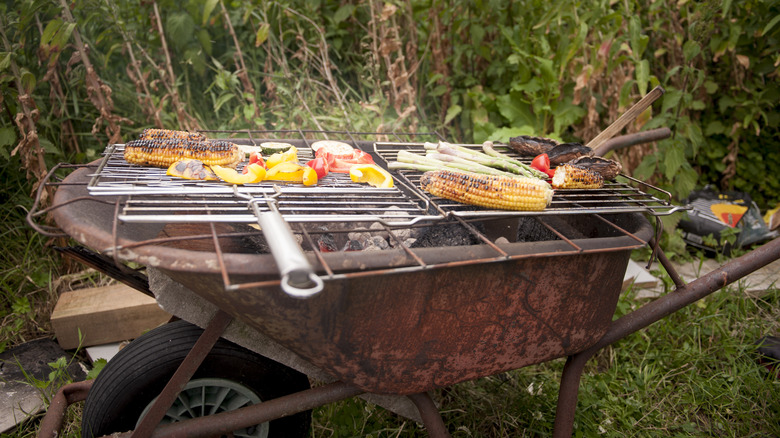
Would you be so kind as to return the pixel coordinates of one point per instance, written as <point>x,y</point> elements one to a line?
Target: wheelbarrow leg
<point>567,394</point>
<point>183,374</point>
<point>431,417</point>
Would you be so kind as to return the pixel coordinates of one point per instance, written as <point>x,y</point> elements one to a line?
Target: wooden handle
<point>627,117</point>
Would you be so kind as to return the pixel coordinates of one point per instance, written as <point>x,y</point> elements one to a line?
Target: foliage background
<point>75,76</point>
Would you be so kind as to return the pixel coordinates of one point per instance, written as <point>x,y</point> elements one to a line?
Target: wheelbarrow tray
<point>397,330</point>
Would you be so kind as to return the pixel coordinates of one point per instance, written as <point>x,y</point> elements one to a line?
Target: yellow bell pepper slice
<point>309,176</point>
<point>255,174</point>
<point>290,155</point>
<point>372,174</point>
<point>286,171</point>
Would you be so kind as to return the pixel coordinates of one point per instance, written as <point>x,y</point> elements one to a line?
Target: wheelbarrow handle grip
<point>627,140</point>
<point>298,277</point>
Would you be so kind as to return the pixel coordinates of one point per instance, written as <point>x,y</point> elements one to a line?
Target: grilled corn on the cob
<point>169,134</point>
<point>491,191</point>
<point>163,153</point>
<point>570,176</point>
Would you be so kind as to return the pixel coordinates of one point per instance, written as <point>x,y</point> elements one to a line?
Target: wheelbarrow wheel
<point>230,377</point>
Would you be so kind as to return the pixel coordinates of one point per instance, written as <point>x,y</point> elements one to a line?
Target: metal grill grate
<point>152,196</point>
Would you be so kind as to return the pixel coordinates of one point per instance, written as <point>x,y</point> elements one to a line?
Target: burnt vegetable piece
<point>191,169</point>
<point>607,168</point>
<point>566,152</point>
<point>528,146</point>
<point>569,176</point>
<point>163,153</point>
<point>491,191</point>
<point>169,134</point>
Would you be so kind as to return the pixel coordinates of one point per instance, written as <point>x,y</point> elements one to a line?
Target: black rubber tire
<point>137,374</point>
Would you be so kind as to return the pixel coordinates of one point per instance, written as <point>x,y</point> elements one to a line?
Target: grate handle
<point>298,277</point>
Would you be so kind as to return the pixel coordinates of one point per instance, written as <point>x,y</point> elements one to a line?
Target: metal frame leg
<point>183,374</point>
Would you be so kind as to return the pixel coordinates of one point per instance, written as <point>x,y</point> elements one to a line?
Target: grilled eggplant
<point>528,146</point>
<point>565,152</point>
<point>607,168</point>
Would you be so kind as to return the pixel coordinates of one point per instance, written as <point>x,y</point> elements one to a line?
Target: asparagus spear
<point>481,158</point>
<point>489,150</point>
<point>408,160</point>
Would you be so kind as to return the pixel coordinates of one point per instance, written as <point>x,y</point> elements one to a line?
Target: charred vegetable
<point>163,153</point>
<point>491,191</point>
<point>169,134</point>
<point>565,152</point>
<point>608,169</point>
<point>528,146</point>
<point>569,176</point>
<point>191,169</point>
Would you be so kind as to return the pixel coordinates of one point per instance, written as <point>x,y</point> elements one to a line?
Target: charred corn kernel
<point>169,134</point>
<point>491,191</point>
<point>191,169</point>
<point>570,176</point>
<point>255,174</point>
<point>163,153</point>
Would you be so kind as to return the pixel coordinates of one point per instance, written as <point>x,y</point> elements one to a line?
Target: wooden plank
<point>104,315</point>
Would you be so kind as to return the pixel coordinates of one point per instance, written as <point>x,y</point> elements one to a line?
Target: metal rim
<point>209,396</point>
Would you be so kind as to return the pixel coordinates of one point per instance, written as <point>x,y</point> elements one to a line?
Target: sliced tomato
<point>541,162</point>
<point>254,157</point>
<point>342,165</point>
<point>320,165</point>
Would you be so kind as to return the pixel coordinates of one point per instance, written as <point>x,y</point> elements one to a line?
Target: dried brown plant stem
<point>242,73</point>
<point>98,92</point>
<point>57,95</point>
<point>186,121</point>
<point>325,66</point>
<point>29,148</point>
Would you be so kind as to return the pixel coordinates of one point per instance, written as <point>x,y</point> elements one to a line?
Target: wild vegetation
<point>75,76</point>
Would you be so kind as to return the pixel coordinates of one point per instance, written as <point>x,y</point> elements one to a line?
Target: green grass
<point>691,374</point>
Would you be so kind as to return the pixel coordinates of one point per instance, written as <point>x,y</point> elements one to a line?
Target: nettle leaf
<point>5,61</point>
<point>714,128</point>
<point>671,99</point>
<point>208,7</point>
<point>693,131</point>
<point>691,49</point>
<point>452,112</point>
<point>770,25</point>
<point>711,87</point>
<point>647,167</point>
<point>504,134</point>
<point>262,34</point>
<point>566,114</point>
<point>642,76</point>
<point>673,158</point>
<point>343,12</point>
<point>222,100</point>
<point>7,136</point>
<point>685,181</point>
<point>180,28</point>
<point>50,30</point>
<point>512,107</point>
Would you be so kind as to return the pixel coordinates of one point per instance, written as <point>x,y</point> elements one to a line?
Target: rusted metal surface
<point>224,423</point>
<point>471,312</point>
<point>67,395</point>
<point>653,312</point>
<point>404,333</point>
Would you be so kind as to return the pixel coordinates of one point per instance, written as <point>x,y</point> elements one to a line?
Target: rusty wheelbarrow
<point>503,290</point>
